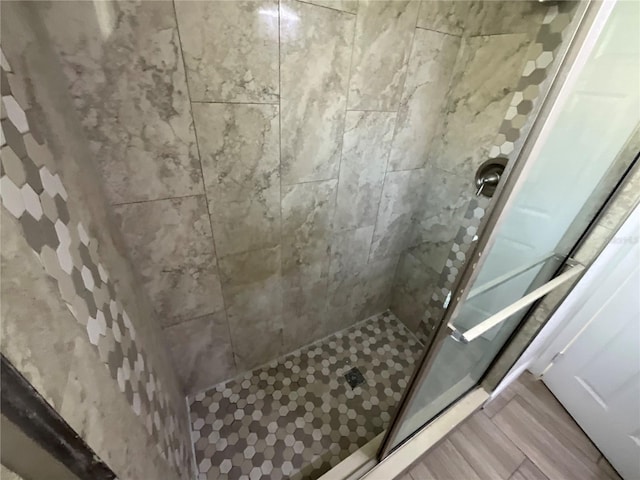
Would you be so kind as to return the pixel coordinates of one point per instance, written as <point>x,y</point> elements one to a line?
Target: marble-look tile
<point>492,17</point>
<point>38,331</point>
<point>201,351</point>
<point>349,255</point>
<point>365,151</point>
<point>402,195</point>
<point>230,49</point>
<point>239,147</point>
<point>433,255</point>
<point>446,16</point>
<point>412,289</point>
<point>433,57</point>
<point>252,287</point>
<point>315,51</point>
<point>127,82</point>
<point>374,289</point>
<point>478,101</point>
<point>171,245</point>
<point>384,32</point>
<point>307,210</point>
<point>444,207</point>
<point>102,417</point>
<point>350,6</point>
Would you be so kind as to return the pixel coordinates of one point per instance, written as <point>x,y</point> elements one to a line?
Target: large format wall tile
<point>402,195</point>
<point>350,6</point>
<point>202,352</point>
<point>307,210</point>
<point>127,80</point>
<point>170,242</point>
<point>382,44</point>
<point>430,69</point>
<point>446,16</point>
<point>365,151</point>
<point>479,100</point>
<point>252,287</point>
<point>493,17</point>
<point>239,146</point>
<point>230,49</point>
<point>315,51</point>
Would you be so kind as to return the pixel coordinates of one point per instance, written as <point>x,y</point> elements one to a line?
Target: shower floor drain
<point>354,377</point>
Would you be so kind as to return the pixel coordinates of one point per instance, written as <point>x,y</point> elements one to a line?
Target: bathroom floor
<point>299,416</point>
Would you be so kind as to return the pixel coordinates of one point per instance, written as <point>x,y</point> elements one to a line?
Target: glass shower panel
<point>596,114</point>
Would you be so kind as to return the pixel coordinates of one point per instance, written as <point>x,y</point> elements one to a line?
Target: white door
<point>597,377</point>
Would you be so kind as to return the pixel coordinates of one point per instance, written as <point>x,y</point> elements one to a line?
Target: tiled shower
<point>260,198</point>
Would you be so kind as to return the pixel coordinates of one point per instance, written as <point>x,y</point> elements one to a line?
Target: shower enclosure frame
<point>591,21</point>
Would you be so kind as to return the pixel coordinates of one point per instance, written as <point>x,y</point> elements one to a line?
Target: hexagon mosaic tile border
<point>297,416</point>
<point>34,194</point>
<point>522,110</point>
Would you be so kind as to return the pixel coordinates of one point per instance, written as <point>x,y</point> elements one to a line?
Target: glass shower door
<point>570,168</point>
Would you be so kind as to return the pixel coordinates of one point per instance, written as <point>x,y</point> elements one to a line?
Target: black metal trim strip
<point>28,410</point>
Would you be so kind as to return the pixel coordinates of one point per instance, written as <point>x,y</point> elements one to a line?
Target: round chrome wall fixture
<point>488,176</point>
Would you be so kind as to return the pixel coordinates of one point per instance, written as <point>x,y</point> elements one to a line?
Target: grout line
<point>326,7</point>
<point>157,199</point>
<point>439,31</point>
<point>206,102</point>
<point>282,293</point>
<point>393,138</point>
<point>204,188</point>
<point>310,181</point>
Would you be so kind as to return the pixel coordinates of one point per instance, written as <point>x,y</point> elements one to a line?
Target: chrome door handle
<point>505,313</point>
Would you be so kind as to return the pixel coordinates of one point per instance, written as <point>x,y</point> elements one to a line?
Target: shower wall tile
<point>431,64</point>
<point>446,16</point>
<point>412,291</point>
<point>127,80</point>
<point>252,286</point>
<point>491,17</point>
<point>374,290</point>
<point>439,221</point>
<point>365,152</point>
<point>170,242</point>
<point>350,6</point>
<point>315,51</point>
<point>384,32</point>
<point>478,100</point>
<point>239,147</point>
<point>402,195</point>
<point>307,211</point>
<point>202,352</point>
<point>230,49</point>
<point>349,256</point>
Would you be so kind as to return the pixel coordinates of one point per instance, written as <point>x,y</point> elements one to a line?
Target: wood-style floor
<point>524,434</point>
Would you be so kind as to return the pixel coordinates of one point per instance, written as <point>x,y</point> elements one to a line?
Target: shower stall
<point>296,233</point>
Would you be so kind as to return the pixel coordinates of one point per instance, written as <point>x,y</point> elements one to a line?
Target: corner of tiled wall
<point>105,352</point>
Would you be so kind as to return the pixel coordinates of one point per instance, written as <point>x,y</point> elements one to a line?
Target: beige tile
<point>466,136</point>
<point>230,49</point>
<point>365,152</point>
<point>315,50</point>
<point>252,286</point>
<point>491,454</point>
<point>171,245</point>
<point>201,351</point>
<point>423,98</point>
<point>239,147</point>
<point>350,6</point>
<point>128,86</point>
<point>384,32</point>
<point>491,17</point>
<point>447,16</point>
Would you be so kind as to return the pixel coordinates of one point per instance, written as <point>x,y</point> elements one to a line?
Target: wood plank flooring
<point>524,434</point>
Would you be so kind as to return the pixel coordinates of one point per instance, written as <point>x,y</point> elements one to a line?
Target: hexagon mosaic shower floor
<point>297,417</point>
